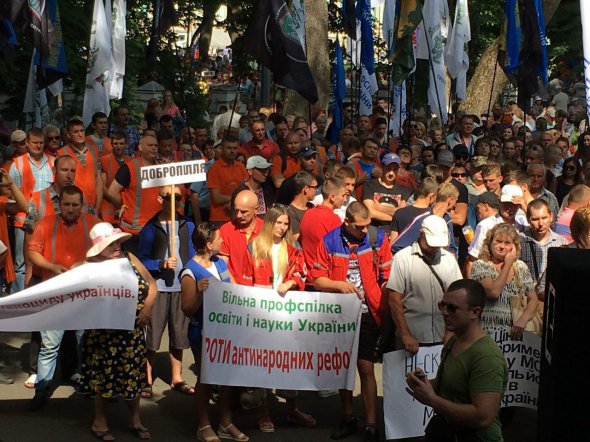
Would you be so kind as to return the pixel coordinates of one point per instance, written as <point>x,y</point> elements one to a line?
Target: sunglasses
<point>570,168</point>
<point>279,206</point>
<point>312,187</point>
<point>56,138</point>
<point>457,175</point>
<point>450,307</point>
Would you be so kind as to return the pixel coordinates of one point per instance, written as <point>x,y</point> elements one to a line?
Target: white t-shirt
<point>276,281</point>
<point>3,248</point>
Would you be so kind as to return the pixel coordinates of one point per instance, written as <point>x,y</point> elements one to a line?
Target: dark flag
<point>508,50</point>
<point>272,40</point>
<point>41,27</point>
<point>408,15</point>
<point>52,67</point>
<point>164,17</point>
<point>349,18</point>
<point>531,52</point>
<point>338,92</point>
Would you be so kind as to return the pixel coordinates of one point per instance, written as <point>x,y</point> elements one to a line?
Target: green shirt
<point>480,368</point>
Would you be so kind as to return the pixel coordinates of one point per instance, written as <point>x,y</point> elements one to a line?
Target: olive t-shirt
<point>480,368</point>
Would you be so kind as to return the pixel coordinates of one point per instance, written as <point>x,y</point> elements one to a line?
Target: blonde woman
<point>503,275</point>
<point>273,261</point>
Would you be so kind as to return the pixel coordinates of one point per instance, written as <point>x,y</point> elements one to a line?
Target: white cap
<point>436,231</point>
<point>510,191</point>
<point>257,162</point>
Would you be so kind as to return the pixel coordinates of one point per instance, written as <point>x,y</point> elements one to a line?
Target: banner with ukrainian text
<point>91,296</point>
<point>254,337</point>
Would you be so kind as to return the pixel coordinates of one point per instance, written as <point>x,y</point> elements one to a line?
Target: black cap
<point>489,198</point>
<point>460,149</point>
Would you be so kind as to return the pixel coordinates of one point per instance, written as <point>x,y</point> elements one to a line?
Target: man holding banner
<point>354,258</point>
<point>58,242</point>
<point>472,374</point>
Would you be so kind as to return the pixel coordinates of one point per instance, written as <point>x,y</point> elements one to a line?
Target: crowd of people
<point>443,233</point>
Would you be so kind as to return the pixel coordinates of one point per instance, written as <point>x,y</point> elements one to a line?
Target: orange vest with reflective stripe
<point>86,175</point>
<point>140,204</point>
<point>107,148</point>
<point>9,275</point>
<point>109,166</point>
<point>44,204</point>
<point>23,165</point>
<point>63,245</point>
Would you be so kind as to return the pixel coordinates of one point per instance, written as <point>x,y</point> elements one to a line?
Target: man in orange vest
<point>137,205</point>
<point>109,165</point>
<point>87,166</point>
<point>31,172</point>
<point>98,139</point>
<point>58,242</point>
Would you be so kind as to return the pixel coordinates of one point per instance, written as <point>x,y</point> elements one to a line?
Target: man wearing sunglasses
<point>472,375</point>
<point>165,265</point>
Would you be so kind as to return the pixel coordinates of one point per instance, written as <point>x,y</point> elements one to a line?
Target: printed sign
<point>254,337</point>
<point>94,295</point>
<point>173,173</point>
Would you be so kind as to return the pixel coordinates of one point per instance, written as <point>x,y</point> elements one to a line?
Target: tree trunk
<point>480,86</point>
<point>316,34</point>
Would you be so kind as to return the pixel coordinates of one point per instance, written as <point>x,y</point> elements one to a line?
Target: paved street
<point>169,415</point>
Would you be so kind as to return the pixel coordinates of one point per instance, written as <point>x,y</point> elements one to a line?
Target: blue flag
<point>541,21</point>
<point>53,66</point>
<point>368,79</point>
<point>339,91</point>
<point>508,54</point>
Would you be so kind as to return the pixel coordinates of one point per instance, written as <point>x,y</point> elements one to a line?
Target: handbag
<point>518,305</point>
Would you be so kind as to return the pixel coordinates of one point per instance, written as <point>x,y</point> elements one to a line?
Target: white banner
<point>301,341</point>
<point>456,55</point>
<point>406,417</point>
<point>173,173</point>
<point>94,295</point>
<point>585,13</point>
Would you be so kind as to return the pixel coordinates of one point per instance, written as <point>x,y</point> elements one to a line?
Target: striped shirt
<point>533,251</point>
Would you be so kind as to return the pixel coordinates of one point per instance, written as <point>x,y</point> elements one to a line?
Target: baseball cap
<point>510,191</point>
<point>308,151</point>
<point>445,158</point>
<point>17,136</point>
<point>489,198</point>
<point>390,158</point>
<point>478,161</point>
<point>551,112</point>
<point>436,231</point>
<point>257,162</point>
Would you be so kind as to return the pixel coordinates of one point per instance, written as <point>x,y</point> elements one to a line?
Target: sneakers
<point>371,434</point>
<point>346,428</point>
<point>39,400</point>
<point>5,379</point>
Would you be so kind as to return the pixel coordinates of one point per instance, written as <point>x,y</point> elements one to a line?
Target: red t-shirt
<point>234,248</point>
<point>268,151</point>
<point>315,224</point>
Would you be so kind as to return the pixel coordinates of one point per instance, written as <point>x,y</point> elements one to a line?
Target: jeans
<point>19,261</point>
<point>51,341</point>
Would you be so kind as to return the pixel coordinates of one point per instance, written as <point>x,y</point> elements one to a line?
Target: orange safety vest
<point>23,165</point>
<point>63,246</point>
<point>107,148</point>
<point>140,204</point>
<point>9,274</point>
<point>86,175</point>
<point>44,204</point>
<point>110,166</point>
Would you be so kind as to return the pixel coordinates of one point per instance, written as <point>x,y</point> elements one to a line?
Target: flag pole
<point>433,73</point>
<point>233,108</point>
<point>492,88</point>
<point>352,80</point>
<point>388,85</point>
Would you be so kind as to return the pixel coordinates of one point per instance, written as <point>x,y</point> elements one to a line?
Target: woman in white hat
<point>113,361</point>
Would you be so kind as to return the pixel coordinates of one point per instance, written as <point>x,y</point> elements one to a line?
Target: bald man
<point>238,232</point>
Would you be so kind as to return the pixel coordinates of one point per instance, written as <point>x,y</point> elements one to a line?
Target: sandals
<point>298,417</point>
<point>224,433</point>
<point>141,432</point>
<point>265,424</point>
<point>184,388</point>
<point>105,436</point>
<point>31,381</point>
<point>146,392</point>
<point>202,438</point>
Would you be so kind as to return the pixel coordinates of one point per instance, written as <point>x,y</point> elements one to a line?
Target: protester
<point>304,192</point>
<point>58,242</point>
<point>353,258</point>
<point>503,277</point>
<point>580,229</point>
<point>472,375</point>
<point>113,361</point>
<point>98,139</point>
<point>273,261</point>
<point>194,279</point>
<point>578,197</point>
<point>121,124</point>
<point>164,264</point>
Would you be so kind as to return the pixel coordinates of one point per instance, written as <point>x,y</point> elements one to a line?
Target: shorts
<point>167,311</point>
<point>368,338</point>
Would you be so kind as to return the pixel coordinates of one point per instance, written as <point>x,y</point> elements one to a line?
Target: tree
<point>484,84</point>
